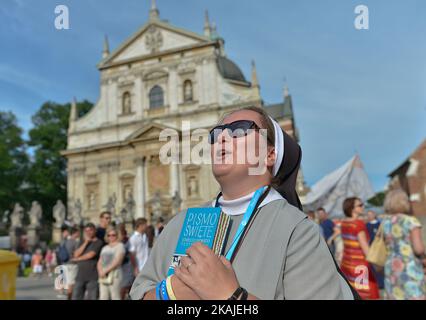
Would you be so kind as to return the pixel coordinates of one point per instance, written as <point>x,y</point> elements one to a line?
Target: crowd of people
<point>103,261</point>
<point>403,275</point>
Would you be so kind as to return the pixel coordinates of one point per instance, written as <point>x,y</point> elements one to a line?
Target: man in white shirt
<point>139,249</point>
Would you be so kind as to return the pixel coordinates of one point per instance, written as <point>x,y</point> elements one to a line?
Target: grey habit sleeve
<point>309,271</point>
<point>155,269</point>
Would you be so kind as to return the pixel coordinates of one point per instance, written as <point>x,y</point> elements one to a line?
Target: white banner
<point>350,180</point>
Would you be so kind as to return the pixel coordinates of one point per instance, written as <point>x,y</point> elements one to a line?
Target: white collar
<point>239,206</point>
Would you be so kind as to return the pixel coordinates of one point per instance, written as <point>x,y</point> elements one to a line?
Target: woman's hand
<point>182,291</point>
<point>211,277</point>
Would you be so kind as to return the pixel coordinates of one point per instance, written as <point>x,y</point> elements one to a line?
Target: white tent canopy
<point>350,180</point>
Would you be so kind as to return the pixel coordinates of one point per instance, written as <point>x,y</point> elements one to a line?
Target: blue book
<point>206,225</point>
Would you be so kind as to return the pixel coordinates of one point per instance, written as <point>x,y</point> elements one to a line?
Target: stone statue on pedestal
<point>76,214</point>
<point>176,202</point>
<point>33,229</point>
<point>130,207</point>
<point>59,213</point>
<point>110,206</point>
<point>17,216</point>
<point>156,206</point>
<point>35,214</point>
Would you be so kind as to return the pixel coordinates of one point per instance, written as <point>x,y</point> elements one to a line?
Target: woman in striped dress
<point>355,240</point>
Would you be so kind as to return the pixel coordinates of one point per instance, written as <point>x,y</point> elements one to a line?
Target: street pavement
<point>34,288</point>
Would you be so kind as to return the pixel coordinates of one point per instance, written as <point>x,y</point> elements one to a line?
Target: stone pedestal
<point>56,235</point>
<point>13,239</point>
<point>33,237</point>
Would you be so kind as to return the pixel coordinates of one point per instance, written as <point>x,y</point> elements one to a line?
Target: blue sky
<point>353,90</point>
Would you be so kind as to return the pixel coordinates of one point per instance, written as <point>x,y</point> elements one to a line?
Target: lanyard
<point>246,218</point>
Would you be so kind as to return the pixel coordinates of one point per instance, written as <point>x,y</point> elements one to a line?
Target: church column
<point>140,191</point>
<point>103,188</point>
<point>138,101</point>
<point>81,188</point>
<point>174,179</point>
<point>173,89</point>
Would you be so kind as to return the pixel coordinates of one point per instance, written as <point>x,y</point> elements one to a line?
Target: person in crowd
<point>329,230</point>
<point>296,263</point>
<point>37,263</point>
<point>355,241</point>
<point>109,266</point>
<point>311,215</point>
<point>86,257</point>
<point>126,267</point>
<point>24,254</point>
<point>373,225</point>
<point>404,275</point>
<point>50,261</point>
<point>150,234</point>
<point>159,226</point>
<point>105,220</point>
<point>139,247</point>
<point>71,245</point>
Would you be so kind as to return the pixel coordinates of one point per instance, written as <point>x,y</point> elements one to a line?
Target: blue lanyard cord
<point>246,218</point>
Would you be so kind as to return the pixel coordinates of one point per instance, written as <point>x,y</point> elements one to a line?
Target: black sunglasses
<point>236,129</point>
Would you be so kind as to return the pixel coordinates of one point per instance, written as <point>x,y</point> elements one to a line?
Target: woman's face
<point>112,237</point>
<point>233,157</point>
<point>358,208</point>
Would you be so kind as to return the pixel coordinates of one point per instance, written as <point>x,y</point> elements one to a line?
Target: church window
<point>156,97</point>
<point>188,95</point>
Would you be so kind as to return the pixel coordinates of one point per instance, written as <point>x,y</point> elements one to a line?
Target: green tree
<point>378,199</point>
<point>13,161</point>
<point>48,137</point>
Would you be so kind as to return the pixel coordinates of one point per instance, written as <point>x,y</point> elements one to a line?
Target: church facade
<point>159,77</point>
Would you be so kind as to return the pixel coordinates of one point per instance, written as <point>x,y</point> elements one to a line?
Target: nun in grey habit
<point>282,256</point>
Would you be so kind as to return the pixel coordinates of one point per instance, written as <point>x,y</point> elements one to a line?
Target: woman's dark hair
<point>348,206</point>
<point>150,234</point>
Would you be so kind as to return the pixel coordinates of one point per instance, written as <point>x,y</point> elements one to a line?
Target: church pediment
<point>149,132</point>
<point>153,38</point>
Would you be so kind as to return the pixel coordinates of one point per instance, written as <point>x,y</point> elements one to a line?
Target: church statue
<point>59,213</point>
<point>127,102</point>
<point>130,206</point>
<point>110,206</point>
<point>193,187</point>
<point>92,201</point>
<point>35,214</point>
<point>17,216</point>
<point>156,206</point>
<point>176,202</point>
<point>76,215</point>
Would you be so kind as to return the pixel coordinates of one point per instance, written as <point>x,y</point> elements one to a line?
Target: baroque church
<point>160,76</point>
